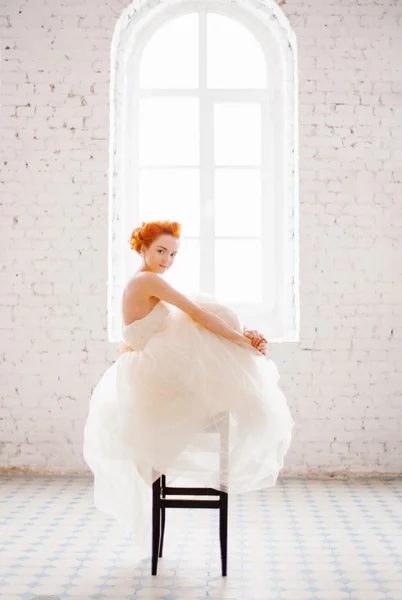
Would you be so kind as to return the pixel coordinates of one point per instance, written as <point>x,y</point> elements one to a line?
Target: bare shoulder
<point>140,281</point>
<point>145,281</point>
<point>146,276</point>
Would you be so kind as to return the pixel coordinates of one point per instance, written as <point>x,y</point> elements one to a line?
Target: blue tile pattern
<point>302,540</point>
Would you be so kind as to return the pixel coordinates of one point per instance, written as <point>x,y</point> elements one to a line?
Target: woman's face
<point>159,256</point>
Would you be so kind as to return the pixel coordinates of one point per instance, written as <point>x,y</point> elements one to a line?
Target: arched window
<point>204,131</point>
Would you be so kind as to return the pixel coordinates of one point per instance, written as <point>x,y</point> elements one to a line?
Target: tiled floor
<point>327,540</point>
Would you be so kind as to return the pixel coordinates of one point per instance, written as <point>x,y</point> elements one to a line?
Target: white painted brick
<point>343,379</point>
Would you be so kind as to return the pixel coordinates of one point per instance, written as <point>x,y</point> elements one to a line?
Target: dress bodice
<point>138,333</point>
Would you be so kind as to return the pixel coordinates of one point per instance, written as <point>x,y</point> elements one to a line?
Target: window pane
<point>170,59</point>
<point>168,130</point>
<point>171,194</point>
<point>239,61</point>
<point>238,271</point>
<point>237,133</point>
<point>185,273</point>
<point>238,202</point>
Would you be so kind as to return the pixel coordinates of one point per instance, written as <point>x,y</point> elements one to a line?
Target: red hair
<point>149,232</point>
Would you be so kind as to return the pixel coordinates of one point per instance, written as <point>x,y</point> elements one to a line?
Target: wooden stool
<point>160,502</point>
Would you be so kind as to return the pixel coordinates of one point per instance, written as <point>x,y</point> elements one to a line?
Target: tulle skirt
<point>190,405</point>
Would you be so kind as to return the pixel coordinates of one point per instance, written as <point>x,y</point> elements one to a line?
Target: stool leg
<point>223,531</point>
<point>224,480</point>
<point>163,514</point>
<point>156,523</point>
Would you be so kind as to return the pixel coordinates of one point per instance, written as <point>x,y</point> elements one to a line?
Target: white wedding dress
<point>163,408</point>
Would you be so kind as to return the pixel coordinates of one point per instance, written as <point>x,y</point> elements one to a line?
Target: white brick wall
<point>343,379</point>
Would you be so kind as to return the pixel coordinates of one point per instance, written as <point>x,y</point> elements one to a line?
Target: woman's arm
<point>155,286</point>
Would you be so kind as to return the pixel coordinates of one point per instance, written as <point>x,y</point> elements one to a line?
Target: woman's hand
<point>257,340</point>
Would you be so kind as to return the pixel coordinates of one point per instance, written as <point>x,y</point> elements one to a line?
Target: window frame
<point>281,322</point>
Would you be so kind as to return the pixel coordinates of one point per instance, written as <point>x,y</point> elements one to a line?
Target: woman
<point>190,378</point>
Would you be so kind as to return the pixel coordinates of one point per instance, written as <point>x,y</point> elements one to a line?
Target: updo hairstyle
<point>149,232</point>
